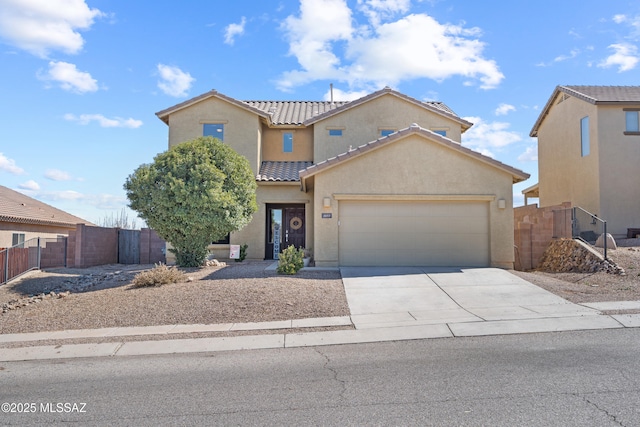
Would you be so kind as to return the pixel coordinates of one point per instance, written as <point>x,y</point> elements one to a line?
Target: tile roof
<point>517,174</point>
<point>437,107</point>
<point>293,112</point>
<point>297,113</point>
<point>16,207</point>
<point>596,95</point>
<point>281,171</point>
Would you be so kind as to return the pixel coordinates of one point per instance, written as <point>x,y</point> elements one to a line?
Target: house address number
<point>326,215</point>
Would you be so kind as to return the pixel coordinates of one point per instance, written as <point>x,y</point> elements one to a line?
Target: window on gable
<point>631,121</point>
<point>215,130</point>
<point>335,132</point>
<point>584,136</point>
<point>386,132</point>
<point>287,142</point>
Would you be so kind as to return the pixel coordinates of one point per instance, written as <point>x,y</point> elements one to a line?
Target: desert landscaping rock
<point>567,255</point>
<point>103,297</point>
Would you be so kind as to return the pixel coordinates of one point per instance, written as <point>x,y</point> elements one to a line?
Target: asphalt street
<point>581,378</point>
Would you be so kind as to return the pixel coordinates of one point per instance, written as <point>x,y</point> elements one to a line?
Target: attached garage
<point>414,198</point>
<point>414,233</point>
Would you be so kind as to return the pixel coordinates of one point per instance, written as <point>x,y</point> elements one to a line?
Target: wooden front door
<point>285,227</point>
<point>294,227</point>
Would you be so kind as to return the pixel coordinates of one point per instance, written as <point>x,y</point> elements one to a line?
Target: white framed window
<point>215,130</point>
<point>585,146</point>
<point>17,239</point>
<point>632,124</point>
<point>287,142</point>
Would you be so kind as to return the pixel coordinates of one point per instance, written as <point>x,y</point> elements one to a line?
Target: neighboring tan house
<point>23,218</point>
<point>589,152</point>
<point>382,180</point>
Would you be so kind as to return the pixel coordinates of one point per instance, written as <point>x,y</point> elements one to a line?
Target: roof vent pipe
<point>331,90</point>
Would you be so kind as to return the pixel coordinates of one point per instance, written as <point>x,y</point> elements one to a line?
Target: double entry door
<point>285,227</point>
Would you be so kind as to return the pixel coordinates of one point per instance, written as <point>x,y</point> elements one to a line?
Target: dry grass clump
<point>158,276</point>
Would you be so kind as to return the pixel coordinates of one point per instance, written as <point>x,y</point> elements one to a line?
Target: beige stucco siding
<point>565,175</point>
<point>272,145</point>
<point>619,190</point>
<point>30,231</point>
<point>241,127</point>
<point>254,234</point>
<point>421,169</point>
<point>363,123</point>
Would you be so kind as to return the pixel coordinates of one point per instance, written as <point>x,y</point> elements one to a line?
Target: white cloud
<point>530,155</point>
<point>41,26</point>
<point>69,77</point>
<point>504,109</point>
<point>30,185</point>
<point>174,81</point>
<point>233,30</point>
<point>485,136</point>
<point>57,175</point>
<point>571,55</point>
<point>339,95</point>
<point>377,10</point>
<point>619,19</point>
<point>9,165</point>
<point>325,34</point>
<point>626,57</point>
<point>116,122</point>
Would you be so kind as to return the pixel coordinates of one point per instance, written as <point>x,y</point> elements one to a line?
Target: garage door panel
<point>414,233</point>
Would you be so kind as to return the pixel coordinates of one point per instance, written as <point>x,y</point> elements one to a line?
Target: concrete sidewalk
<point>385,304</point>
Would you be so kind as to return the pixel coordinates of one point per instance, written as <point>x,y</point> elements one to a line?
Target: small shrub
<point>290,261</point>
<point>243,253</point>
<point>158,276</point>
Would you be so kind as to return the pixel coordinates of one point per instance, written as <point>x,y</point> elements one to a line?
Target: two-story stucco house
<point>589,152</point>
<point>382,180</point>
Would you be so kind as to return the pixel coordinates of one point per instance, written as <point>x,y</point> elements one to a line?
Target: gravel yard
<point>103,297</point>
<point>594,287</point>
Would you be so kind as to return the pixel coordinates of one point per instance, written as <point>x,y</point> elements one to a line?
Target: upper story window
<point>441,132</point>
<point>386,132</point>
<point>287,142</point>
<point>632,124</point>
<point>335,132</point>
<point>584,136</point>
<point>215,130</point>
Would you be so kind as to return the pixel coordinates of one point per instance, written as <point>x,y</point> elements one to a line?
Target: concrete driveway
<point>409,296</point>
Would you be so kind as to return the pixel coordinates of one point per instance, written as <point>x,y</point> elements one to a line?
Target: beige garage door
<point>414,233</point>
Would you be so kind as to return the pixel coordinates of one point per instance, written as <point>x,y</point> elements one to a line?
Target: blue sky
<point>81,80</point>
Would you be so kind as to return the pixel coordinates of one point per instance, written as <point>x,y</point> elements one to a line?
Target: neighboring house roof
<point>517,174</point>
<point>596,95</point>
<point>16,207</point>
<point>297,113</point>
<point>281,171</point>
<point>533,191</point>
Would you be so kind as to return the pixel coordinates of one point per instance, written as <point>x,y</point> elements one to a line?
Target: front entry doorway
<point>285,227</point>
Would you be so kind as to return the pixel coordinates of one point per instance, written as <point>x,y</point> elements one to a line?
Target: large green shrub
<point>290,261</point>
<point>195,193</point>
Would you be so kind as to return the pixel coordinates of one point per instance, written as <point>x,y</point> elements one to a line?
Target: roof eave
<point>164,114</point>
